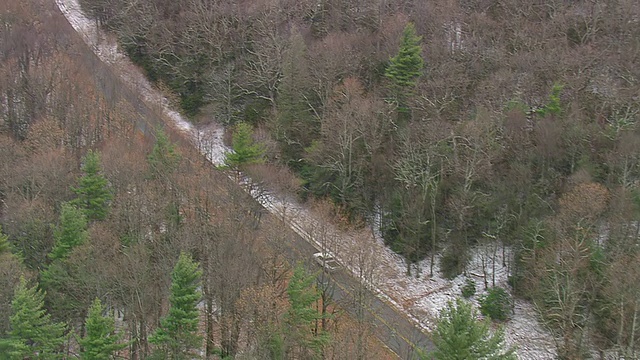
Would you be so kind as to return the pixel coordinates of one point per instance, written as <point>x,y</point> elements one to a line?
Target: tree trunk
<point>433,233</point>
<point>484,271</point>
<point>493,265</point>
<point>143,339</point>
<point>408,261</point>
<point>633,328</point>
<point>210,346</point>
<point>134,347</point>
<point>621,328</point>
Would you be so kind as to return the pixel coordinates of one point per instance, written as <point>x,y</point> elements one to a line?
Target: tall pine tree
<point>406,66</point>
<point>296,127</point>
<point>33,335</point>
<point>11,268</point>
<point>300,319</point>
<point>100,342</point>
<point>70,233</point>
<point>177,336</point>
<point>93,189</point>
<point>460,336</point>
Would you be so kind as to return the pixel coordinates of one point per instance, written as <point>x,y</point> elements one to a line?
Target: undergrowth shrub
<point>496,304</point>
<point>453,262</point>
<point>469,289</point>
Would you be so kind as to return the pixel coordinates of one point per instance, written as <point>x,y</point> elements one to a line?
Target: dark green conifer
<point>70,233</point>
<point>406,67</point>
<point>460,336</point>
<point>302,315</point>
<point>177,337</point>
<point>245,150</point>
<point>93,189</point>
<point>100,342</point>
<point>164,158</point>
<point>4,242</point>
<point>33,335</point>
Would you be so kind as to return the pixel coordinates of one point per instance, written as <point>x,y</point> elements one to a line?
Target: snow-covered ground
<point>420,298</point>
<point>208,139</point>
<point>361,252</point>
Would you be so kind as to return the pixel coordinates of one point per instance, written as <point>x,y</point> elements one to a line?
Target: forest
<point>120,241</point>
<point>455,123</point>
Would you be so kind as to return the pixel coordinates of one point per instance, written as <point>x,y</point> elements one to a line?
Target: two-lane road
<point>391,326</point>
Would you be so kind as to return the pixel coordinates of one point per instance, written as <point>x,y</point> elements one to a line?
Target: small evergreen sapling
<point>460,336</point>
<point>164,158</point>
<point>469,289</point>
<point>496,304</point>
<point>245,150</point>
<point>553,107</point>
<point>4,242</point>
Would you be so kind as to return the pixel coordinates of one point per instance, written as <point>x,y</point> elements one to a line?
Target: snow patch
<point>420,298</point>
<point>207,139</point>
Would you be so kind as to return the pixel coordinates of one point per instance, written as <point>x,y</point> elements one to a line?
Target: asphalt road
<point>392,327</point>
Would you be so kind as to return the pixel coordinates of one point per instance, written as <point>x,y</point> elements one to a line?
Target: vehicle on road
<point>326,261</point>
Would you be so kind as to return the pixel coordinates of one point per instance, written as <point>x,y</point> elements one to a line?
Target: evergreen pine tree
<point>93,189</point>
<point>177,336</point>
<point>406,66</point>
<point>71,232</point>
<point>62,282</point>
<point>32,334</point>
<point>100,341</point>
<point>245,151</point>
<point>58,278</point>
<point>295,127</point>
<point>164,158</point>
<point>11,267</point>
<point>302,316</point>
<point>460,336</point>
